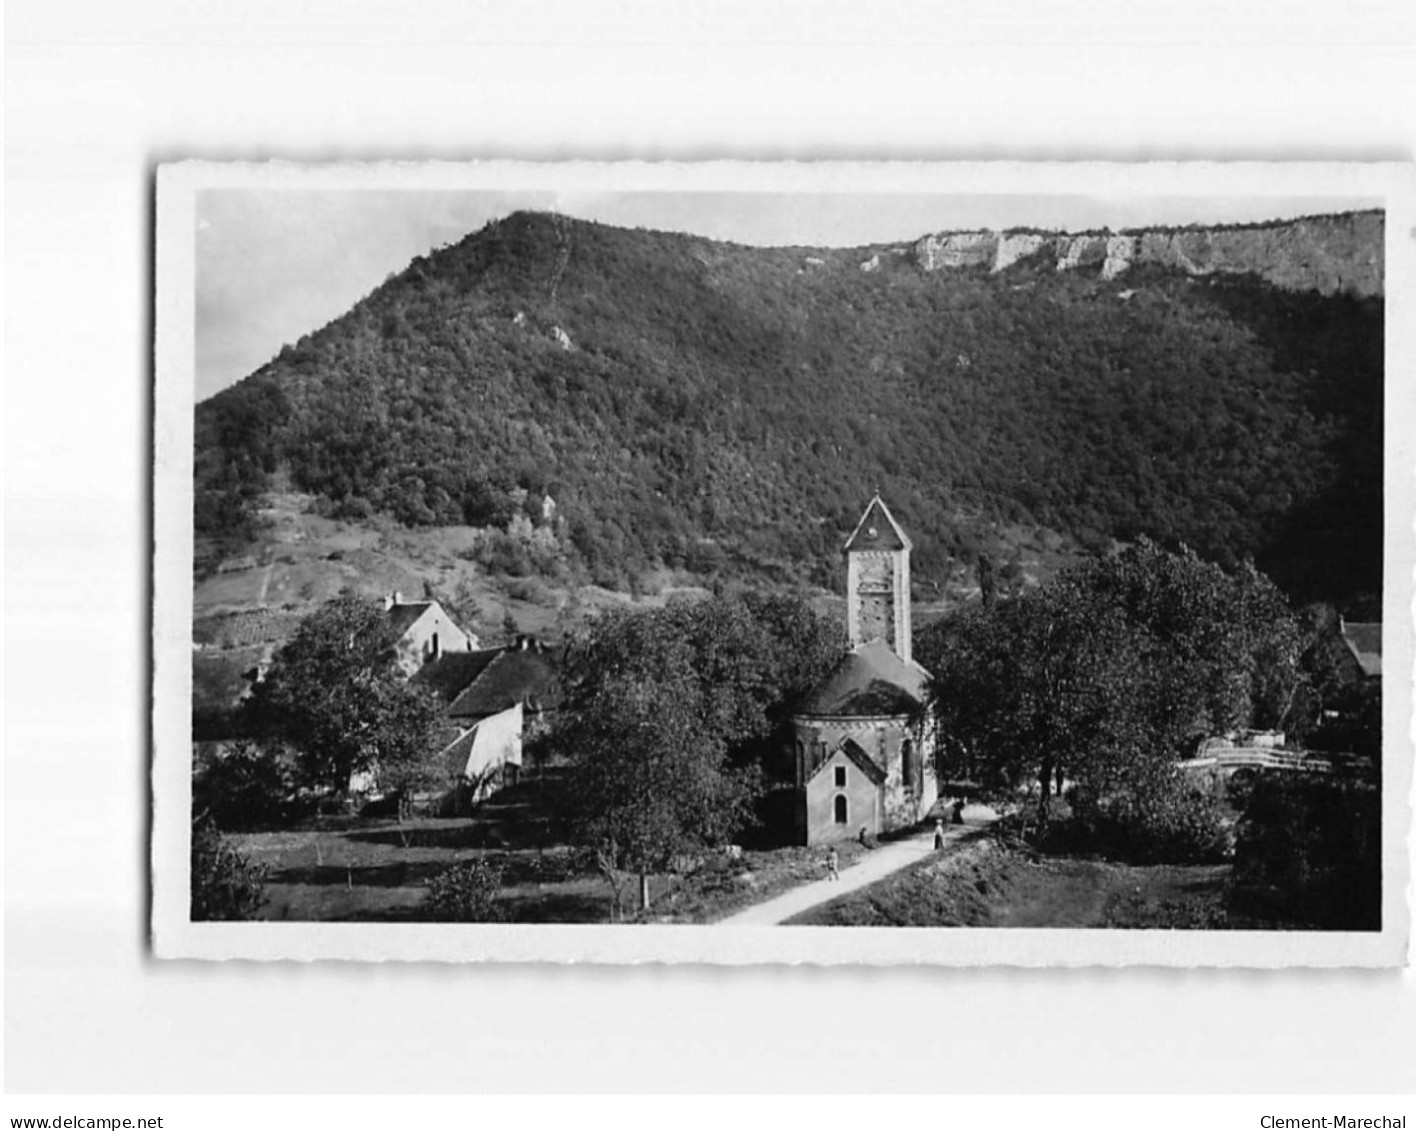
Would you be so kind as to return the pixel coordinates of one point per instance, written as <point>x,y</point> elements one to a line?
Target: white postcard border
<point>174,936</point>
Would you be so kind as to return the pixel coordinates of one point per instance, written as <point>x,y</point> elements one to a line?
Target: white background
<point>98,93</point>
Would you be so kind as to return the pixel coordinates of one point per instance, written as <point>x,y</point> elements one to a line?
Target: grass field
<point>986,884</point>
<point>377,870</point>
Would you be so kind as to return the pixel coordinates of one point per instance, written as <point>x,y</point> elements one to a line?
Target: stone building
<point>424,632</point>
<point>863,739</point>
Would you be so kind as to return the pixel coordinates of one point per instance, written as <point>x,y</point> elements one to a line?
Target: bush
<point>465,893</point>
<point>1168,822</point>
<point>1310,848</point>
<point>225,885</point>
<point>246,787</point>
<point>531,590</point>
<point>503,554</point>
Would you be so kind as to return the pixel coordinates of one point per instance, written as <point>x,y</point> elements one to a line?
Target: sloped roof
<point>863,761</point>
<point>524,672</point>
<point>453,756</point>
<point>403,616</point>
<point>452,672</point>
<point>877,530</point>
<point>869,680</point>
<point>1365,643</point>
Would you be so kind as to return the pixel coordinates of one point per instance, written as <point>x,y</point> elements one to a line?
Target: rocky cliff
<point>1327,254</point>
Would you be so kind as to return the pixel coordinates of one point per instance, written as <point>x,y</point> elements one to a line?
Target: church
<point>863,738</point>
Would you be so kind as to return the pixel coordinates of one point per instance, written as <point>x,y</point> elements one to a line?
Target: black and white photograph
<point>708,565</point>
<point>890,563</point>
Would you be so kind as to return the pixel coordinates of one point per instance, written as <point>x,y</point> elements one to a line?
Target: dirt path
<point>883,861</point>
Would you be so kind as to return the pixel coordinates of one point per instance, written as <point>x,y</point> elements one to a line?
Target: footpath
<point>876,865</point>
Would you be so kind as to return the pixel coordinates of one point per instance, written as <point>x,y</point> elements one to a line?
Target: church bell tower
<point>878,581</point>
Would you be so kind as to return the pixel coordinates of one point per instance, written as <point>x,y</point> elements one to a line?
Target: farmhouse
<point>495,698</point>
<point>424,631</point>
<point>863,737</point>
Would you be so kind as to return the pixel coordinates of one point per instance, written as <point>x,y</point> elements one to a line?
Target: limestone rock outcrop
<point>956,249</point>
<point>1323,253</point>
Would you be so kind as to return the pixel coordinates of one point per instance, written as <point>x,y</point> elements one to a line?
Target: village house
<point>495,699</point>
<point>424,632</point>
<point>863,738</point>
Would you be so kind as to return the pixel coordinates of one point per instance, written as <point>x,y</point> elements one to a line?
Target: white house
<point>425,632</point>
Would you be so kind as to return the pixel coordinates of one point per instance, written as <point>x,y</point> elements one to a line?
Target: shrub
<point>501,553</point>
<point>1166,822</point>
<point>244,788</point>
<point>531,590</point>
<point>465,893</point>
<point>1312,849</point>
<point>225,885</point>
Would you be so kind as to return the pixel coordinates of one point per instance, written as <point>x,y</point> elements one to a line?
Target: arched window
<point>909,767</point>
<point>435,645</point>
<point>841,814</point>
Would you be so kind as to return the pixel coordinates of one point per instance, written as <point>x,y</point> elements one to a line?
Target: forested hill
<point>691,402</point>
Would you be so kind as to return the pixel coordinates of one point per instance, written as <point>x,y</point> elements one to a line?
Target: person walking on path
<point>885,860</point>
<point>833,864</point>
<point>938,836</point>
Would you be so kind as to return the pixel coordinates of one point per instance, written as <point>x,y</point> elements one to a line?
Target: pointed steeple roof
<point>878,530</point>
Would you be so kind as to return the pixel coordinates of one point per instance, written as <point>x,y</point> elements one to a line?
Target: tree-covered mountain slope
<point>690,403</point>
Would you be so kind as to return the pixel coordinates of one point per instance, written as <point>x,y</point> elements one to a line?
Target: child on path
<point>833,864</point>
<point>938,835</point>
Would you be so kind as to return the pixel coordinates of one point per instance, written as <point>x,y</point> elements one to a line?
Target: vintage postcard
<point>749,562</point>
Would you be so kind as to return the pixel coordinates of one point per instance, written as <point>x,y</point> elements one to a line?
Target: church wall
<point>883,741</point>
<point>862,797</point>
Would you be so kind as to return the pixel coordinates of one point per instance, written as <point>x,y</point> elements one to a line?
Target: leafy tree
<point>1311,851</point>
<point>1104,675</point>
<point>987,581</point>
<point>665,716</point>
<point>1036,688</point>
<point>247,786</point>
<point>1222,649</point>
<point>225,885</point>
<point>336,696</point>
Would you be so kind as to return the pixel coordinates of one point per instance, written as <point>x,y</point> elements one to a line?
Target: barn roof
<point>453,756</point>
<point>451,673</point>
<point>877,530</point>
<point>402,617</point>
<point>1365,643</point>
<point>869,680</point>
<point>524,672</point>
